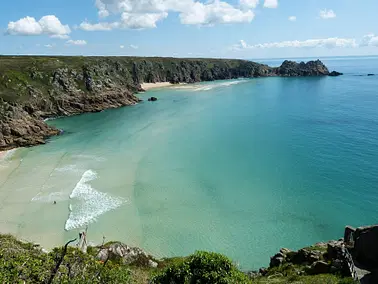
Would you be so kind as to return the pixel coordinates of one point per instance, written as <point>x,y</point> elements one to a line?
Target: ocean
<point>240,167</point>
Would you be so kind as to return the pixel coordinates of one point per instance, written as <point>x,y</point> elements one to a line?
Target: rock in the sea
<point>370,74</point>
<point>335,73</point>
<point>127,255</point>
<point>152,99</point>
<point>294,69</point>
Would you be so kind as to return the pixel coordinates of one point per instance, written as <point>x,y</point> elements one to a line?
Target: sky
<point>190,28</point>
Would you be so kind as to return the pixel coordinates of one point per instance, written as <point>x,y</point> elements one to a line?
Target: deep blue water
<point>241,167</point>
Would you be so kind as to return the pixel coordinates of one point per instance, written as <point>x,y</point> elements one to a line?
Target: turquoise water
<point>241,167</point>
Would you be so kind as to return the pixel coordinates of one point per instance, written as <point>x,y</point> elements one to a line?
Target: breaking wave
<point>89,203</point>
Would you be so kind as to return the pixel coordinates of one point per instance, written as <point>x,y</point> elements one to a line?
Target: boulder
<point>335,73</point>
<point>120,252</point>
<point>277,260</point>
<point>334,250</point>
<point>365,249</point>
<point>319,267</point>
<point>152,99</point>
<point>304,256</point>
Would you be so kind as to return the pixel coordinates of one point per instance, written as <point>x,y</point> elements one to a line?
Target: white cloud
<point>103,26</point>
<point>369,40</point>
<point>292,18</point>
<point>48,45</point>
<point>60,36</point>
<point>76,42</point>
<point>213,13</point>
<point>121,46</point>
<point>49,25</point>
<point>134,46</point>
<point>310,43</point>
<point>249,4</point>
<point>271,3</point>
<point>107,7</point>
<point>141,14</point>
<point>327,14</point>
<point>141,21</point>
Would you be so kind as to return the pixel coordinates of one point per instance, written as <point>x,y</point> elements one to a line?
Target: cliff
<point>33,88</point>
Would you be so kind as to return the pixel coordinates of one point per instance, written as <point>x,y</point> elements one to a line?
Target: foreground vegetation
<point>22,262</point>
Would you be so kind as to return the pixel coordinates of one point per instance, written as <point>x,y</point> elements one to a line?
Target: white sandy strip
<point>3,154</point>
<point>7,154</point>
<point>149,86</point>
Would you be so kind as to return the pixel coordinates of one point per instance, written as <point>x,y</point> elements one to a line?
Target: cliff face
<point>34,88</point>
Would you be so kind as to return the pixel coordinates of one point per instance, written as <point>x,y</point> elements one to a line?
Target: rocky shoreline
<point>33,88</point>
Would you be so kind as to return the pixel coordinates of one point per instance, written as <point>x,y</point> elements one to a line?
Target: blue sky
<point>190,28</point>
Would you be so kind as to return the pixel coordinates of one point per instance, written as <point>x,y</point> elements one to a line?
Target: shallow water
<point>241,167</point>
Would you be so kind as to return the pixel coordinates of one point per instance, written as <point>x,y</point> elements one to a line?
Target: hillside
<point>22,262</point>
<point>33,88</point>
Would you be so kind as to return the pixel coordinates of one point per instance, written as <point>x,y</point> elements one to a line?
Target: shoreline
<point>150,86</point>
<point>3,154</point>
<point>6,153</point>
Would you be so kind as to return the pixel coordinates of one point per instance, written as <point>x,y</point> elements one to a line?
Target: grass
<point>22,262</point>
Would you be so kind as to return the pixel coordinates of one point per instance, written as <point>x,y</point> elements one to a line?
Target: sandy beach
<point>3,154</point>
<point>149,86</point>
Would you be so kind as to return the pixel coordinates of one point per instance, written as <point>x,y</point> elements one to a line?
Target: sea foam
<point>208,87</point>
<point>217,85</point>
<point>49,197</point>
<point>68,168</point>
<point>89,203</point>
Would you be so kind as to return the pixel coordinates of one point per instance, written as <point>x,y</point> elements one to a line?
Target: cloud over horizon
<point>310,43</point>
<point>47,25</point>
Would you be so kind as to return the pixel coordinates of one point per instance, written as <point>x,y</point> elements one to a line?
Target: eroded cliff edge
<point>33,88</point>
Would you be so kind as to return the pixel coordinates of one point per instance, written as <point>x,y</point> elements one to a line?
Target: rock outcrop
<point>121,253</point>
<point>363,244</point>
<point>322,258</point>
<point>294,69</point>
<point>33,88</point>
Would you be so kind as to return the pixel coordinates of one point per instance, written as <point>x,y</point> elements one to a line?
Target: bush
<point>202,267</point>
<point>24,263</point>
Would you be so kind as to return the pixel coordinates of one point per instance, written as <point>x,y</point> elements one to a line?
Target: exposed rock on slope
<point>34,88</point>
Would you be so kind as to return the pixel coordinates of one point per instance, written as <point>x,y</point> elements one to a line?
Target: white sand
<point>149,86</point>
<point>3,154</point>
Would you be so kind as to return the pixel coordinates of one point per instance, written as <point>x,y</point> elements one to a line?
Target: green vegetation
<point>20,74</point>
<point>27,263</point>
<point>202,267</point>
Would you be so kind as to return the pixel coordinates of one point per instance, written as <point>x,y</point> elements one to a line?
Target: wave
<point>68,168</point>
<point>208,87</point>
<point>8,154</point>
<point>90,203</point>
<point>90,157</point>
<point>49,198</point>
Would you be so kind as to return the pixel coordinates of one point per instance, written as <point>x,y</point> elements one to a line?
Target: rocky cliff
<point>33,88</point>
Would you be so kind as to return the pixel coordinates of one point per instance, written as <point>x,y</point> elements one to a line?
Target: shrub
<point>202,267</point>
